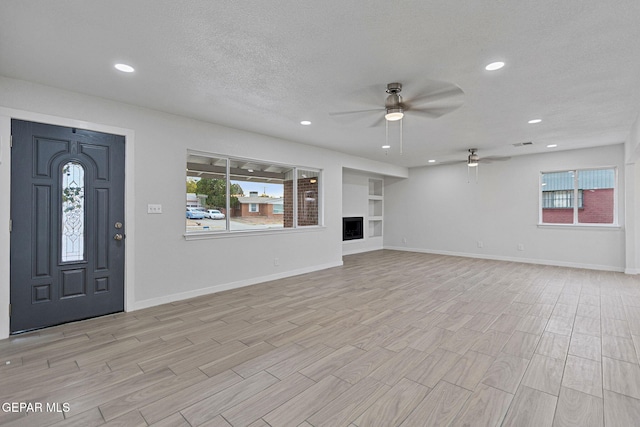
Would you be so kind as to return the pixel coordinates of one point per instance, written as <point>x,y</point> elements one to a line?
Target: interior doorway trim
<point>6,114</point>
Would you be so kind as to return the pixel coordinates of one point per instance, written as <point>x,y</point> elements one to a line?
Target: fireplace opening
<point>352,228</point>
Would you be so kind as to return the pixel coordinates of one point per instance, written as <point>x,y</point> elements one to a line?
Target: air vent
<point>522,144</point>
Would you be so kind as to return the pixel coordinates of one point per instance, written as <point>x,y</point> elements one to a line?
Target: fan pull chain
<point>469,174</point>
<point>386,137</point>
<point>401,136</point>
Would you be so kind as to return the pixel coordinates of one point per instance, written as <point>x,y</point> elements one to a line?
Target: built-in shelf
<point>375,208</point>
<point>376,205</point>
<point>375,187</point>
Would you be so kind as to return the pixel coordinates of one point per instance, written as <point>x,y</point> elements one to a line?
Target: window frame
<point>228,232</point>
<point>576,198</point>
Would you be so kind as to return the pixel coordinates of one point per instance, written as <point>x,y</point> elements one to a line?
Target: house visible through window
<point>578,197</point>
<point>560,199</point>
<point>252,195</point>
<point>307,184</point>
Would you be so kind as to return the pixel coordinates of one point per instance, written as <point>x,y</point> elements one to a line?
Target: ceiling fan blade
<point>443,91</point>
<point>490,159</point>
<point>344,113</point>
<point>450,162</point>
<point>433,113</point>
<point>378,122</point>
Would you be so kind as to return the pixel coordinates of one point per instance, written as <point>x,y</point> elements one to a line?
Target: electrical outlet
<point>154,209</point>
<point>521,246</point>
<point>480,244</point>
<point>276,262</point>
<point>404,240</point>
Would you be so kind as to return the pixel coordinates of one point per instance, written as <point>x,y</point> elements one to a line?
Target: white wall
<point>355,202</point>
<point>436,210</point>
<point>161,265</point>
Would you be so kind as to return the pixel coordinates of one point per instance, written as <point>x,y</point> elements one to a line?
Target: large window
<point>252,195</point>
<point>581,196</point>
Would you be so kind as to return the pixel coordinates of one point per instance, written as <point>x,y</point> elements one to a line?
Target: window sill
<point>611,227</point>
<point>204,235</point>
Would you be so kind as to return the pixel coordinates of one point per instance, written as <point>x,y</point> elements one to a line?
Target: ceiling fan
<point>395,106</point>
<point>473,159</point>
<point>439,99</point>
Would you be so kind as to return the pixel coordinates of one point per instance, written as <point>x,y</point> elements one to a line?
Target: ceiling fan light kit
<point>394,114</point>
<point>472,160</point>
<point>472,163</point>
<point>393,103</point>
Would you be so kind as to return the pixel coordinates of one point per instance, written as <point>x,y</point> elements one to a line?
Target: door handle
<point>118,237</point>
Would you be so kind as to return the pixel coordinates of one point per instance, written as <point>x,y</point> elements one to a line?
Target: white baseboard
<point>511,259</point>
<point>138,305</point>
<point>631,271</point>
<point>361,250</point>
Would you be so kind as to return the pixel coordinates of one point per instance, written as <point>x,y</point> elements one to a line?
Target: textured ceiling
<point>264,66</point>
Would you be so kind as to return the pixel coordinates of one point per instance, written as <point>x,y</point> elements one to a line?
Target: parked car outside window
<point>194,213</point>
<point>213,214</point>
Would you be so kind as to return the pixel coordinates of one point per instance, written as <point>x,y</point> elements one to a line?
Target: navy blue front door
<point>67,213</point>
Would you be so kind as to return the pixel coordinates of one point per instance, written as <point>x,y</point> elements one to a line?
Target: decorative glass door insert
<point>73,212</point>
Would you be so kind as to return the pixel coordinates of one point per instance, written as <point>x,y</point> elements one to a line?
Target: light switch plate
<point>154,209</point>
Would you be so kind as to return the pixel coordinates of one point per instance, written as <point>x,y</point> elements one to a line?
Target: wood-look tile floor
<point>389,339</point>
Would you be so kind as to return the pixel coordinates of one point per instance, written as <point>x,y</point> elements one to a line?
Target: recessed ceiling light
<point>534,121</point>
<point>494,66</point>
<point>305,123</point>
<point>124,68</point>
<point>250,170</point>
<point>552,145</point>
<point>386,146</point>
<point>432,161</point>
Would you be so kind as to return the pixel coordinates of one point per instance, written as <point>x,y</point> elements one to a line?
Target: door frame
<point>6,114</point>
